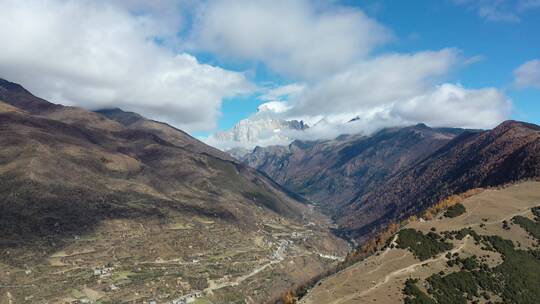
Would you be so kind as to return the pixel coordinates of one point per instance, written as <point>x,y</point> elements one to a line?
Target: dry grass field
<point>381,277</point>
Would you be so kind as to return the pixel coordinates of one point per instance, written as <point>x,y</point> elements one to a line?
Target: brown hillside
<point>508,153</point>
<point>79,190</point>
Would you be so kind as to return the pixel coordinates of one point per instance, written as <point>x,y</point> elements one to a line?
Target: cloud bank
<point>302,39</point>
<point>97,55</point>
<point>139,56</point>
<point>445,105</point>
<point>384,91</point>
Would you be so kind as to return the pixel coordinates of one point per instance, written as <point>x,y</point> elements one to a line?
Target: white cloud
<point>453,105</point>
<point>387,91</point>
<point>524,5</point>
<point>446,105</point>
<point>528,74</point>
<point>375,82</point>
<point>125,53</point>
<point>96,55</point>
<point>164,17</point>
<point>500,10</point>
<point>296,38</point>
<point>274,107</point>
<point>396,90</point>
<point>283,92</point>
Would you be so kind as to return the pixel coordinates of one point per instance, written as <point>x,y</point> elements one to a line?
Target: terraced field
<point>135,261</point>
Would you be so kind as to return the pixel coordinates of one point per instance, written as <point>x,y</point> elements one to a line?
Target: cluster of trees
<point>514,281</point>
<point>413,294</point>
<point>532,227</point>
<point>423,246</point>
<point>381,240</point>
<point>448,202</point>
<point>454,211</point>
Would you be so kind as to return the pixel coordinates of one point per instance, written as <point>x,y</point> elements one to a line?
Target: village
<point>167,273</point>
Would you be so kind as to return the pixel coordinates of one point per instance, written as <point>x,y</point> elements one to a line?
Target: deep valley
<point>112,207</point>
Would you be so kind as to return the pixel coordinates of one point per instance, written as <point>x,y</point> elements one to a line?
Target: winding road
<point>400,272</point>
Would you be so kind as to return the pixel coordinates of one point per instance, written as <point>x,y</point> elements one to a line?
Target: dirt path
<point>213,286</point>
<point>279,257</point>
<point>67,270</point>
<point>393,242</point>
<point>404,255</point>
<point>63,254</point>
<point>399,272</point>
<point>379,258</point>
<point>238,280</point>
<point>471,212</point>
<point>31,174</point>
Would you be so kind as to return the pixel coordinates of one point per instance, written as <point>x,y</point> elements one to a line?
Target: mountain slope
<point>368,182</point>
<point>491,256</point>
<point>75,185</point>
<point>178,137</point>
<point>508,153</point>
<point>334,172</point>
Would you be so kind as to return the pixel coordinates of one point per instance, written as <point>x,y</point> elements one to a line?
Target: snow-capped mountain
<point>252,132</point>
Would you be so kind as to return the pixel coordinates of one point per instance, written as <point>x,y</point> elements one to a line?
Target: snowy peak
<point>249,133</point>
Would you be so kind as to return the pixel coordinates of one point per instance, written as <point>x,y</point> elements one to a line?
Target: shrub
<point>413,294</point>
<point>532,227</point>
<point>422,246</point>
<point>515,280</point>
<point>454,211</point>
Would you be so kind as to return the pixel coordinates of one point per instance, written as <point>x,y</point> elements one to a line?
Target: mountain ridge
<point>365,190</point>
<point>80,191</point>
<point>79,133</point>
<point>331,170</point>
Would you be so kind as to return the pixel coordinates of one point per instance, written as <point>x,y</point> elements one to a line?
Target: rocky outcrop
<point>248,133</point>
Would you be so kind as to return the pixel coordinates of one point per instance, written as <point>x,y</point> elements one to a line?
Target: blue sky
<point>502,45</point>
<point>204,65</point>
<point>496,47</point>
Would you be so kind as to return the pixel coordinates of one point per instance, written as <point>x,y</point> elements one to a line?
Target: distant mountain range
<point>366,182</point>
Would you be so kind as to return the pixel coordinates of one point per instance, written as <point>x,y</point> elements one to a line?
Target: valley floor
<point>129,261</point>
